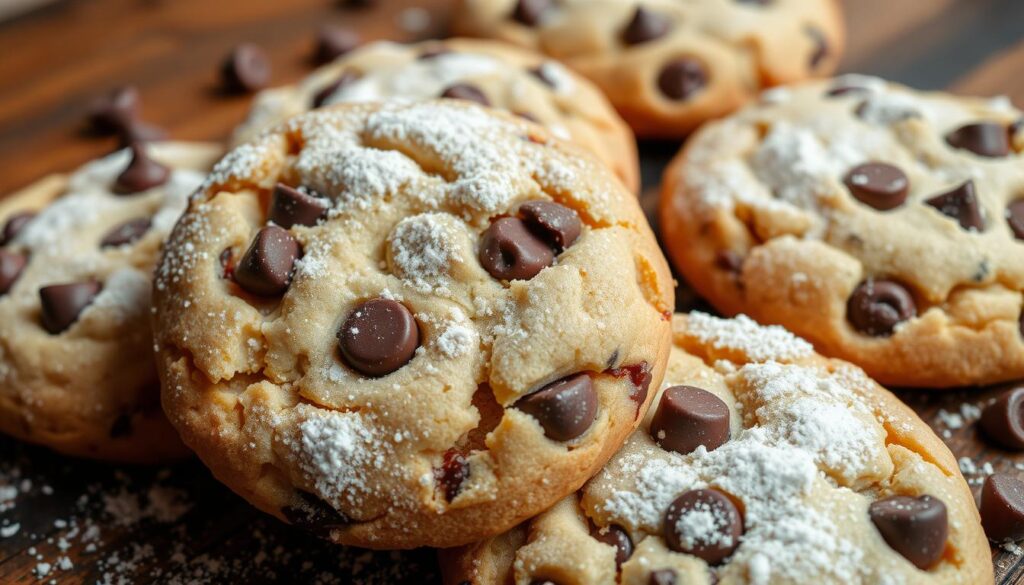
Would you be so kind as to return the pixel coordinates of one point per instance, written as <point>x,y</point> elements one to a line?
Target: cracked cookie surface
<point>821,476</point>
<point>882,224</point>
<point>525,83</point>
<point>669,65</point>
<point>76,258</point>
<point>456,329</point>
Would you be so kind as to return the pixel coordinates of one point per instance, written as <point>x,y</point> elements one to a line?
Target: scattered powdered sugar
<point>951,421</point>
<point>125,295</point>
<point>457,340</point>
<point>423,249</point>
<point>704,525</point>
<point>890,107</point>
<point>758,342</point>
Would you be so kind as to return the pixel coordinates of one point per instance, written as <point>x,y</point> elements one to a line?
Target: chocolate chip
<point>877,306</point>
<point>333,42</point>
<point>116,111</point>
<point>688,417</point>
<point>63,303</point>
<point>531,12</point>
<point>122,426</point>
<point>465,91</point>
<point>543,73</point>
<point>290,207</point>
<point>565,409</point>
<point>646,25</point>
<point>1015,217</point>
<point>246,68</point>
<point>557,224</point>
<point>379,337</point>
<point>1003,420</point>
<point>320,97</point>
<point>982,138</point>
<point>126,233</point>
<point>617,537</point>
<point>681,78</point>
<point>821,48</point>
<point>720,531</point>
<point>878,184</point>
<point>453,472</point>
<point>14,225</point>
<point>315,515</point>
<point>142,173</point>
<point>11,265</point>
<point>1002,507</point>
<point>914,527</point>
<point>510,251</point>
<point>662,577</point>
<point>961,204</point>
<point>266,267</point>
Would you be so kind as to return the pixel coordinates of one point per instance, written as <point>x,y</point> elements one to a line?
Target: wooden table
<point>178,525</point>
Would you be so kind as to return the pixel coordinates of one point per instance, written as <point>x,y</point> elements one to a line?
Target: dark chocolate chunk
<point>510,251</point>
<point>465,91</point>
<point>379,337</point>
<point>960,203</point>
<point>531,12</point>
<point>876,307</point>
<point>333,42</point>
<point>565,409</point>
<point>14,225</point>
<point>246,69</point>
<point>116,111</point>
<point>617,537</point>
<point>556,223</point>
<point>1015,217</point>
<point>1002,507</point>
<point>986,139</point>
<point>141,174</point>
<point>688,417</point>
<point>681,78</point>
<point>323,95</point>
<point>290,207</point>
<point>63,303</point>
<point>266,267</point>
<point>1003,420</point>
<point>720,525</point>
<point>11,266</point>
<point>646,25</point>
<point>126,233</point>
<point>914,527</point>
<point>880,185</point>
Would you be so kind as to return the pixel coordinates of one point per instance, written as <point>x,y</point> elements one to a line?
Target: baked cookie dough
<point>76,256</point>
<point>759,462</point>
<point>883,224</point>
<point>408,325</point>
<point>668,65</point>
<point>495,74</point>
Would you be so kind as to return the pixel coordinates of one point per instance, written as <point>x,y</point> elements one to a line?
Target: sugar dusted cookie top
<point>669,65</point>
<point>759,462</point>
<point>495,74</point>
<point>884,225</point>
<point>407,325</point>
<point>76,367</point>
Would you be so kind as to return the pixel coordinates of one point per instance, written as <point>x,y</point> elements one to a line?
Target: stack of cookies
<point>413,301</point>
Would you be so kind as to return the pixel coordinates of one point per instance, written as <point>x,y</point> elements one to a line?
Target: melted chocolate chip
<point>961,204</point>
<point>557,224</point>
<point>116,111</point>
<point>688,417</point>
<point>11,265</point>
<point>820,44</point>
<point>379,337</point>
<point>1002,507</point>
<point>616,536</point>
<point>14,225</point>
<point>646,25</point>
<point>323,95</point>
<point>333,42</point>
<point>986,139</point>
<point>878,184</point>
<point>681,78</point>
<point>290,207</point>
<point>510,251</point>
<point>227,263</point>
<point>914,527</point>
<point>876,307</point>
<point>141,174</point>
<point>565,409</point>
<point>453,472</point>
<point>662,577</point>
<point>639,376</point>
<point>315,515</point>
<point>246,69</point>
<point>126,233</point>
<point>1015,217</point>
<point>63,303</point>
<point>1003,420</point>
<point>266,267</point>
<point>726,520</point>
<point>531,12</point>
<point>465,91</point>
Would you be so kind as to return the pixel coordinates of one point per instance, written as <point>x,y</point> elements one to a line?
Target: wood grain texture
<point>178,525</point>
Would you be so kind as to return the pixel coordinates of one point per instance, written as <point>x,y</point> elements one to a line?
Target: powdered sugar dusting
<point>759,343</point>
<point>423,250</point>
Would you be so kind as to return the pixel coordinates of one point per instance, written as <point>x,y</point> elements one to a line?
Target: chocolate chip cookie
<point>759,462</point>
<point>883,224</point>
<point>407,325</point>
<point>76,256</point>
<point>666,65</point>
<point>489,73</point>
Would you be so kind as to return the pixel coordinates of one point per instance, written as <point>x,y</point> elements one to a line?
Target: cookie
<point>407,325</point>
<point>489,73</point>
<point>882,224</point>
<point>668,66</point>
<point>759,462</point>
<point>76,256</point>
